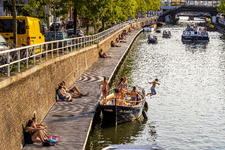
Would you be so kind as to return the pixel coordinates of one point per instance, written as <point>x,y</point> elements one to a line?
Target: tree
<point>221,8</point>
<point>13,2</point>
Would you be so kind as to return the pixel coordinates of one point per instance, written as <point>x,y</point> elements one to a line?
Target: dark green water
<point>188,112</point>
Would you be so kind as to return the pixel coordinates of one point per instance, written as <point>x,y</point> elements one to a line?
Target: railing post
<point>40,52</point>
<point>8,67</point>
<point>63,47</point>
<point>67,47</point>
<point>75,46</point>
<point>34,55</point>
<point>46,51</point>
<point>71,45</point>
<point>18,58</point>
<point>27,57</point>
<point>85,41</point>
<point>52,49</point>
<point>57,45</point>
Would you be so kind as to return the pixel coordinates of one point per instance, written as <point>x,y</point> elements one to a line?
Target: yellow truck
<point>29,30</point>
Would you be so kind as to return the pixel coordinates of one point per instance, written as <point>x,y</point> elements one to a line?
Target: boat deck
<point>72,120</point>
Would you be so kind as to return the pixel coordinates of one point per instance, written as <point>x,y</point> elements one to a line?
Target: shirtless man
<point>153,92</point>
<point>105,86</point>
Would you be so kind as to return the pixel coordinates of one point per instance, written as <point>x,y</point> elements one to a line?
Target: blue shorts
<point>133,98</point>
<point>62,97</point>
<point>71,91</point>
<point>153,90</point>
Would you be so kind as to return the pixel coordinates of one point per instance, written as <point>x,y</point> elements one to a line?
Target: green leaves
<point>221,8</point>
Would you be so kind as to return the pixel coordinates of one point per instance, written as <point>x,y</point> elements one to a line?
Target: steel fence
<point>33,54</point>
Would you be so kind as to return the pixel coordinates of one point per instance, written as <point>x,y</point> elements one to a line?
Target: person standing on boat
<point>118,88</point>
<point>134,94</point>
<point>153,92</point>
<point>104,87</point>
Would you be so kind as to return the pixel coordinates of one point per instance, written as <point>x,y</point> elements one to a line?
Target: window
<point>6,26</point>
<point>41,27</point>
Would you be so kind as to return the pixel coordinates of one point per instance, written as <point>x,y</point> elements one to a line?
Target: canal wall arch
<point>33,91</point>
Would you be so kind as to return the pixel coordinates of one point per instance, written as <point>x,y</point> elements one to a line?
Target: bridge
<point>170,16</point>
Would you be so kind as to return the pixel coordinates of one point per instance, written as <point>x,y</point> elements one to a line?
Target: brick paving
<point>72,120</point>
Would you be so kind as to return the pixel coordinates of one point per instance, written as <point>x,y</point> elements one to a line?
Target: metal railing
<point>36,53</point>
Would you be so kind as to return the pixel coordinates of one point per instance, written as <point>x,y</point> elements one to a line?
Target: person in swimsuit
<point>103,55</point>
<point>62,96</point>
<point>118,88</point>
<point>105,86</point>
<point>78,94</point>
<point>134,94</point>
<point>153,92</point>
<point>38,125</point>
<point>31,134</point>
<point>72,91</point>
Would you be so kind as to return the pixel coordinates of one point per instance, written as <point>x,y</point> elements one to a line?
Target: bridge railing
<point>34,54</point>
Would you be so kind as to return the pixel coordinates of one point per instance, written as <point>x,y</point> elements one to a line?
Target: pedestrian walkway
<point>72,120</point>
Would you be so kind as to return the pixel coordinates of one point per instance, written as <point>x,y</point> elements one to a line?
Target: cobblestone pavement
<point>72,120</point>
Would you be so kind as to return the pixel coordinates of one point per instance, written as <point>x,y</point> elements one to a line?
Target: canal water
<point>188,112</point>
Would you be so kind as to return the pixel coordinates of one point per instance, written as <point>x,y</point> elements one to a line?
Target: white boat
<point>193,35</point>
<point>150,27</point>
<point>133,147</point>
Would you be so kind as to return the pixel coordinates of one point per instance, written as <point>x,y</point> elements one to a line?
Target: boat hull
<point>124,113</point>
<point>194,39</point>
<point>149,28</point>
<point>166,36</point>
<point>152,41</point>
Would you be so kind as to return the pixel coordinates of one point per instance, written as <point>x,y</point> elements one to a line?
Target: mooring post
<point>115,113</point>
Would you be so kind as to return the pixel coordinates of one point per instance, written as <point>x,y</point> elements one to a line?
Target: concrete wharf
<point>72,121</point>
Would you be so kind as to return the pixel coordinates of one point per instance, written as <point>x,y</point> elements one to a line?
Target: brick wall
<point>33,90</point>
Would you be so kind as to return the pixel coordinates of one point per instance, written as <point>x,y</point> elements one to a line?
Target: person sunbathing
<point>129,30</point>
<point>114,44</point>
<point>63,96</point>
<point>72,93</point>
<point>103,55</point>
<point>39,125</point>
<point>120,41</point>
<point>31,134</point>
<point>78,94</point>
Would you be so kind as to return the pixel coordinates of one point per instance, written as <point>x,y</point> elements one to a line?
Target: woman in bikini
<point>134,94</point>
<point>104,87</point>
<point>118,89</point>
<point>31,133</point>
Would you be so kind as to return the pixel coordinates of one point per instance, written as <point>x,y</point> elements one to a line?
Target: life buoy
<point>202,33</point>
<point>189,33</point>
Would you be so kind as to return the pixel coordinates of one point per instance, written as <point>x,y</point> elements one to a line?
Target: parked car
<point>57,26</point>
<point>60,35</point>
<point>80,33</point>
<point>69,25</point>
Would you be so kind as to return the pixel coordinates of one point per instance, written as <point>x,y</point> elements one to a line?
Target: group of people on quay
<point>37,133</point>
<point>122,92</point>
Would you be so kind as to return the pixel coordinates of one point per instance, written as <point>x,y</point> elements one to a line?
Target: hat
<point>64,81</point>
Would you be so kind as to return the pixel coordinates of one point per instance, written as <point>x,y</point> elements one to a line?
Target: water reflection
<point>188,111</point>
<point>105,134</point>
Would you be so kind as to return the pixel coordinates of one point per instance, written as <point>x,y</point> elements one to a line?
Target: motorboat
<point>195,34</point>
<point>152,41</point>
<point>149,27</point>
<point>123,109</point>
<point>166,34</point>
<point>133,147</point>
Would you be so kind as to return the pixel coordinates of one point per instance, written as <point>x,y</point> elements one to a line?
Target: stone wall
<point>33,90</point>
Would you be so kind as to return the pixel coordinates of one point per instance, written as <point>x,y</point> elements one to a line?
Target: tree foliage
<point>221,8</point>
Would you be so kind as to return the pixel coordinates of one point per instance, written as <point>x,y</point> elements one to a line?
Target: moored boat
<point>161,24</point>
<point>149,27</point>
<point>122,110</point>
<point>133,147</point>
